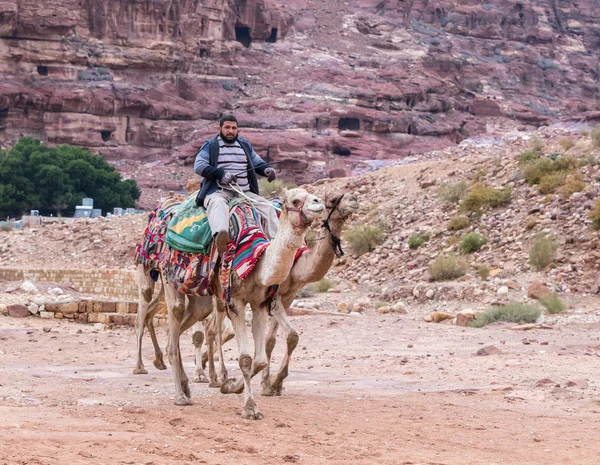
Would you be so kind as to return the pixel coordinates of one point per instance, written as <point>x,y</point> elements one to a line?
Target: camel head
<point>340,206</point>
<point>301,207</point>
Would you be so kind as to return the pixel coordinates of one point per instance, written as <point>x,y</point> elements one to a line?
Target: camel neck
<point>278,259</point>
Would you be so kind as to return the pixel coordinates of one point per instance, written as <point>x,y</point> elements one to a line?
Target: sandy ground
<point>364,389</point>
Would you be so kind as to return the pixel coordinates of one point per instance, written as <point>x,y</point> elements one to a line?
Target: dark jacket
<point>206,166</point>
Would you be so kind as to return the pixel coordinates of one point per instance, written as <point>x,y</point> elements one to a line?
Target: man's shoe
<point>222,239</point>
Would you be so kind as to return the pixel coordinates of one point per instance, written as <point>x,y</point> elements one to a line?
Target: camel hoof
<point>159,364</point>
<point>183,400</point>
<point>200,379</point>
<point>140,371</point>
<point>228,387</point>
<point>252,415</point>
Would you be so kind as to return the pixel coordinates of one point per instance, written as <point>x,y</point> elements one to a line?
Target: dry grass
<point>574,183</point>
<point>566,143</point>
<point>553,303</point>
<point>447,267</point>
<point>594,215</point>
<point>514,312</point>
<point>481,196</point>
<point>417,240</point>
<point>365,238</point>
<point>456,223</point>
<point>324,285</point>
<point>543,252</point>
<point>452,193</point>
<point>483,272</point>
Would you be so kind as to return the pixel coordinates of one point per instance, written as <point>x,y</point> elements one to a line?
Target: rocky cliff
<point>324,88</point>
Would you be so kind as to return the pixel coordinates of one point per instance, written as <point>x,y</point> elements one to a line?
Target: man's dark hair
<point>227,117</point>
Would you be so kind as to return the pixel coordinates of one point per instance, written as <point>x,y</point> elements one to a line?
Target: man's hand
<point>270,174</point>
<point>227,178</point>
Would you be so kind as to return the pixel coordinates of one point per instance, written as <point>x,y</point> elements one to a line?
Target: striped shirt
<point>233,159</point>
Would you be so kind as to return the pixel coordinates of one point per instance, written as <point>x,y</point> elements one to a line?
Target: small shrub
<point>273,189</point>
<point>365,238</point>
<point>456,223</point>
<point>566,143</point>
<point>543,252</point>
<point>574,183</point>
<point>452,193</point>
<point>595,134</point>
<point>553,303</point>
<point>589,159</point>
<point>471,243</point>
<point>482,196</point>
<point>594,215</point>
<point>549,183</point>
<point>417,240</point>
<point>324,285</point>
<point>446,267</point>
<point>514,312</point>
<point>483,272</point>
<point>536,145</point>
<point>307,291</point>
<point>528,156</point>
<point>381,303</point>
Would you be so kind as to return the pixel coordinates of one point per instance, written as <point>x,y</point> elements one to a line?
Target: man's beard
<point>229,140</point>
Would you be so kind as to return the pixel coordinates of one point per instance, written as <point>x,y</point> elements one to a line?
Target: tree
<point>55,179</point>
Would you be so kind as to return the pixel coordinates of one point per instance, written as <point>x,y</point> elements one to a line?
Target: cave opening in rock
<point>341,150</point>
<point>242,35</point>
<point>410,129</point>
<point>42,70</point>
<point>349,124</point>
<point>273,37</point>
<point>106,135</point>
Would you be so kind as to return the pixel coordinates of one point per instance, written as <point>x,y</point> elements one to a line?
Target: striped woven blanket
<point>150,250</point>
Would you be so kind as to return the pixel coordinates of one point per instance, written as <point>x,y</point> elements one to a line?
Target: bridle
<point>336,243</point>
<point>304,220</point>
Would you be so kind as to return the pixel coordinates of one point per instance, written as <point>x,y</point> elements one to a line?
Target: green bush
<point>481,196</point>
<point>528,156</point>
<point>452,193</point>
<point>55,179</point>
<point>595,134</point>
<point>324,285</point>
<point>549,183</point>
<point>574,183</point>
<point>417,240</point>
<point>553,303</point>
<point>483,272</point>
<point>543,252</point>
<point>365,238</point>
<point>514,312</point>
<point>456,223</point>
<point>273,189</point>
<point>594,215</point>
<point>446,267</point>
<point>471,243</point>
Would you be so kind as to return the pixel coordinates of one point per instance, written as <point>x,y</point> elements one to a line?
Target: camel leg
<point>220,340</point>
<point>250,409</point>
<point>197,339</point>
<point>176,307</point>
<point>271,337</point>
<point>291,338</point>
<point>145,291</point>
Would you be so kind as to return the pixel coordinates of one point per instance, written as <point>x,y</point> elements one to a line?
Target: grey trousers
<point>217,211</point>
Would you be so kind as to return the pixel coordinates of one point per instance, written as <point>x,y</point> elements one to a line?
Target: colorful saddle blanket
<point>150,250</point>
<point>188,230</point>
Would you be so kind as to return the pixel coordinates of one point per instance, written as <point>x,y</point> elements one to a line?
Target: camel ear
<point>284,192</point>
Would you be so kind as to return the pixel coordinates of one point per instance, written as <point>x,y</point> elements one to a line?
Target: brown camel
<point>310,267</point>
<point>298,210</point>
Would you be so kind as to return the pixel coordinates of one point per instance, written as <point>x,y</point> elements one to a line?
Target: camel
<point>310,267</point>
<point>298,210</point>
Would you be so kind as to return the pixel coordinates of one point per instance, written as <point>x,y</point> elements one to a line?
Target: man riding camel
<point>225,161</point>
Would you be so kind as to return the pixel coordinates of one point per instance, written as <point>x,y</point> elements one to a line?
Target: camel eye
<point>296,202</point>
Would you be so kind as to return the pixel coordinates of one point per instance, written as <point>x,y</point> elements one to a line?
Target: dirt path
<point>364,389</point>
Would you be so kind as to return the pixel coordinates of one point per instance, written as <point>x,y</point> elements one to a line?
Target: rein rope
<point>336,243</point>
